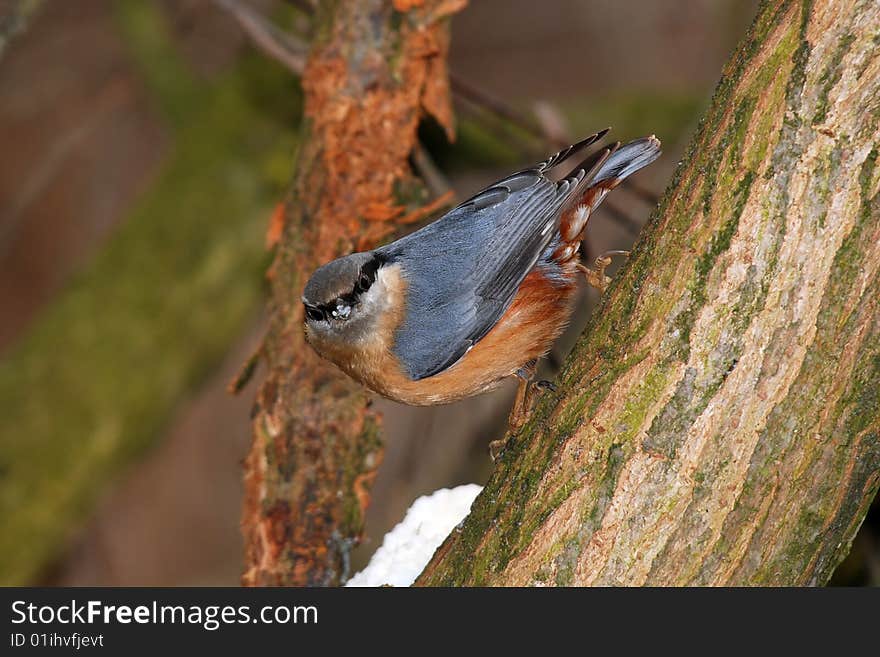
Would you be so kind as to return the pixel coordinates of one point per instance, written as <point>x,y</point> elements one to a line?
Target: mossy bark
<point>375,68</point>
<point>719,420</point>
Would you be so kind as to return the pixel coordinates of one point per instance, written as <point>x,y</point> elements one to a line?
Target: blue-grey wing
<point>463,270</point>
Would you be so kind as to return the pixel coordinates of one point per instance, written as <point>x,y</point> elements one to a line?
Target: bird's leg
<point>543,384</point>
<point>524,393</point>
<point>596,277</point>
<point>521,406</point>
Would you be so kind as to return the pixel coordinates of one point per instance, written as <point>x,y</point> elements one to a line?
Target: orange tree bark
<point>719,420</point>
<point>375,68</point>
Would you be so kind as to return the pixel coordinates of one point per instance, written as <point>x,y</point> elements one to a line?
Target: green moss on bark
<point>689,515</point>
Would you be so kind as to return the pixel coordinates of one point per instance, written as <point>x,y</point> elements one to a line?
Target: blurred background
<point>143,145</point>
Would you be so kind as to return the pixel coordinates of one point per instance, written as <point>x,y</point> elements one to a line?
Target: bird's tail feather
<point>628,159</point>
<point>605,170</point>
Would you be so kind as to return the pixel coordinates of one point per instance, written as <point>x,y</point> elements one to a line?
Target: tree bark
<point>718,423</point>
<point>376,67</point>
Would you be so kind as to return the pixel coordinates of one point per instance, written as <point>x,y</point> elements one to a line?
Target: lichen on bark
<point>717,422</point>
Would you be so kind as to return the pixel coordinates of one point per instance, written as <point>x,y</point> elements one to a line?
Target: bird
<point>477,296</point>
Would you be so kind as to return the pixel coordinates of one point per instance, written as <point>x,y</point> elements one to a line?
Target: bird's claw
<point>522,407</point>
<point>596,277</point>
<point>496,447</point>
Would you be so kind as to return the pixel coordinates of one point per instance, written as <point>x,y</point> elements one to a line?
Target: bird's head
<point>342,300</point>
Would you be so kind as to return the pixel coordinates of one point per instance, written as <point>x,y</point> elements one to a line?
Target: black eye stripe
<point>315,314</point>
<point>365,279</point>
<point>367,275</point>
<point>328,310</point>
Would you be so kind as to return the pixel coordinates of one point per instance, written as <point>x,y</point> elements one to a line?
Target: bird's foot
<point>543,385</point>
<point>496,447</point>
<point>519,413</point>
<point>522,406</point>
<point>596,277</point>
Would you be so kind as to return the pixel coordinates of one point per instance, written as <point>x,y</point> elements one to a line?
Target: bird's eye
<point>315,314</point>
<point>364,282</point>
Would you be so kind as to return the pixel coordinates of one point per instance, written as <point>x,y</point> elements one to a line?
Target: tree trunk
<point>375,68</point>
<point>718,421</point>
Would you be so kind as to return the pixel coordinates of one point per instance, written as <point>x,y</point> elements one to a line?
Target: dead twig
<point>480,98</point>
<point>430,172</point>
<point>548,129</point>
<point>270,39</point>
<point>544,129</point>
<point>553,122</point>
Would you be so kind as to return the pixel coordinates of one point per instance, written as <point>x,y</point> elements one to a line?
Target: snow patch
<point>406,549</point>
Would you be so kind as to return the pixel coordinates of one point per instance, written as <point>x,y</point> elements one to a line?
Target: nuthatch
<point>478,295</point>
